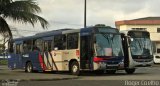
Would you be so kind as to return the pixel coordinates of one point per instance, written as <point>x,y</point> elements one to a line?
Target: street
<point>147,74</point>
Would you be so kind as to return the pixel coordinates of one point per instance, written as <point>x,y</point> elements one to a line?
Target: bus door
<point>18,56</point>
<point>86,52</point>
<point>125,49</point>
<point>47,55</point>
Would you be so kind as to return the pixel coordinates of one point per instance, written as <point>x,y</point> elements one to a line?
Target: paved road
<point>151,73</point>
<point>5,73</point>
<point>139,78</point>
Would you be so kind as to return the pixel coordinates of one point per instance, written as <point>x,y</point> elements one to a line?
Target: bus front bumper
<point>105,66</point>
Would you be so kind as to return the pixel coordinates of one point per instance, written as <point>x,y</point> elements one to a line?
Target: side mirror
<point>130,40</point>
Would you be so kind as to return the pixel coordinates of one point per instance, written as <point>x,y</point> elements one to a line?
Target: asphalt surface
<point>148,76</point>
<point>146,73</point>
<point>19,74</point>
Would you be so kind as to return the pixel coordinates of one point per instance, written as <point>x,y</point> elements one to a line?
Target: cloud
<point>69,13</point>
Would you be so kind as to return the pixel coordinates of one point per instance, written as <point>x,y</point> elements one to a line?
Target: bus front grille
<point>112,62</point>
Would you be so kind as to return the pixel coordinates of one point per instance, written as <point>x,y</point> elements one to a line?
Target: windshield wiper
<point>139,44</point>
<point>105,36</point>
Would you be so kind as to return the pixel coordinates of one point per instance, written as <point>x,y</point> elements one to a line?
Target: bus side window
<point>72,41</point>
<point>10,47</point>
<point>47,45</point>
<point>21,48</point>
<point>17,48</point>
<point>60,42</point>
<point>30,45</point>
<point>64,42</point>
<point>27,46</point>
<point>39,44</point>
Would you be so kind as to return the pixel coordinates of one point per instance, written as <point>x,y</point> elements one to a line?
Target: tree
<point>23,11</point>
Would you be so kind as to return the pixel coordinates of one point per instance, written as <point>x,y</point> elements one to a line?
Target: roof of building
<point>140,21</point>
<point>148,18</point>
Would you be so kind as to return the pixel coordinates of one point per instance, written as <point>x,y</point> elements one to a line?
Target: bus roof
<point>61,31</point>
<point>42,34</point>
<point>50,33</point>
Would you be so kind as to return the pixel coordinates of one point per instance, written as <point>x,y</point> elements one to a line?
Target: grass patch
<point>3,61</point>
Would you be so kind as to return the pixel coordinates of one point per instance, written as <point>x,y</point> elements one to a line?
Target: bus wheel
<point>75,68</point>
<point>29,67</point>
<point>130,71</point>
<point>110,71</point>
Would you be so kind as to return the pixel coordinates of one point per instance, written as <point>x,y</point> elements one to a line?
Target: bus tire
<point>130,71</point>
<point>74,68</point>
<point>111,71</point>
<point>29,67</point>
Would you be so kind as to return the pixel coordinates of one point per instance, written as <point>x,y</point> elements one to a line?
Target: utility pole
<point>85,12</point>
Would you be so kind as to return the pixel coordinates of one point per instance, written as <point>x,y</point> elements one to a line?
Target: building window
<point>154,47</point>
<point>139,28</point>
<point>158,50</point>
<point>158,30</point>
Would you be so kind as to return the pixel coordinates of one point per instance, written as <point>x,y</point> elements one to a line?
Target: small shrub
<point>3,62</point>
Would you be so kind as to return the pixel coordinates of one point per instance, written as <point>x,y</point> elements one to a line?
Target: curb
<point>53,79</point>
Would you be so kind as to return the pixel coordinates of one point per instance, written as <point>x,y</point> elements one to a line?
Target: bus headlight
<point>102,65</point>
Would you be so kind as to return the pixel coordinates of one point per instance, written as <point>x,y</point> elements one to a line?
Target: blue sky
<point>69,13</point>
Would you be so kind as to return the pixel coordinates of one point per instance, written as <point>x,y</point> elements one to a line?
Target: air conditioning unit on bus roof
<point>103,25</point>
<point>100,25</point>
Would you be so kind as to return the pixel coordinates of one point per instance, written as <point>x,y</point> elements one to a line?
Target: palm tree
<point>23,11</point>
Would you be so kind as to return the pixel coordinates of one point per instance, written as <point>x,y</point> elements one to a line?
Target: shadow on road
<point>87,73</point>
<point>84,73</point>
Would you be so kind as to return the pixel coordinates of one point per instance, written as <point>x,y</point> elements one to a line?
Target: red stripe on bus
<point>41,62</point>
<point>77,53</point>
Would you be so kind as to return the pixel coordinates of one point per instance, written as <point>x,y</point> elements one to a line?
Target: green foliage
<point>23,11</point>
<point>3,62</point>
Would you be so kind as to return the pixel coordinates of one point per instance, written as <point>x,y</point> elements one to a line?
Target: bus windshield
<point>141,46</point>
<point>108,44</point>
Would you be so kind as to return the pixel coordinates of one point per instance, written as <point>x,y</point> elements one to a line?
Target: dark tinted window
<point>17,48</point>
<point>27,45</point>
<point>72,41</point>
<point>47,45</point>
<point>39,45</point>
<point>10,47</point>
<point>107,30</point>
<point>60,42</point>
<point>158,50</point>
<point>138,34</point>
<point>158,30</point>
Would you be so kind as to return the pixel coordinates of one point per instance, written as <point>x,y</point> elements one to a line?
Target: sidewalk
<point>6,74</point>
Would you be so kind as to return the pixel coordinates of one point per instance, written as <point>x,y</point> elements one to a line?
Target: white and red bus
<point>97,48</point>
